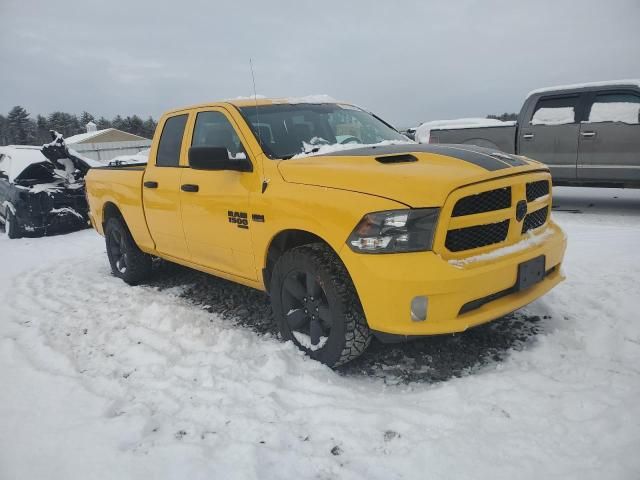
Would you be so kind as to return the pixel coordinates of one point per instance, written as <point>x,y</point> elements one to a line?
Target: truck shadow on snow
<point>426,360</point>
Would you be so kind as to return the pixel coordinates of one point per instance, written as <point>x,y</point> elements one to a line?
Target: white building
<point>106,144</point>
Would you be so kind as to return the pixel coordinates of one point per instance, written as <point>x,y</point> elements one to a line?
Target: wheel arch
<point>111,210</point>
<point>284,241</point>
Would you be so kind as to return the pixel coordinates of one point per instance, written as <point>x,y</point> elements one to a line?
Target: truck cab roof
<point>263,101</point>
<point>635,83</point>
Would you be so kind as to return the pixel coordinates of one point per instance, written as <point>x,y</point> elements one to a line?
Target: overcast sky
<point>408,61</point>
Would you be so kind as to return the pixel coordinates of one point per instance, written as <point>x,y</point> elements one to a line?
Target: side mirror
<point>205,157</point>
<point>4,175</point>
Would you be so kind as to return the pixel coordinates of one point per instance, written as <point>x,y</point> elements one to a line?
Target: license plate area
<point>530,272</point>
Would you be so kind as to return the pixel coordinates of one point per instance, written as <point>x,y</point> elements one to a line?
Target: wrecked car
<point>42,189</point>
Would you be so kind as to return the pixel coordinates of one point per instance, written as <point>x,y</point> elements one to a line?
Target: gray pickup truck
<point>587,134</point>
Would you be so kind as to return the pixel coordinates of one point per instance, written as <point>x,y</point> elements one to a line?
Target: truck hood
<point>416,175</point>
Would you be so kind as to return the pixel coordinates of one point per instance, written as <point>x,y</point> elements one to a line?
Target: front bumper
<point>386,284</point>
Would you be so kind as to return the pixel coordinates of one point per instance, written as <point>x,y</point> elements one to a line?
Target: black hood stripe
<point>482,157</point>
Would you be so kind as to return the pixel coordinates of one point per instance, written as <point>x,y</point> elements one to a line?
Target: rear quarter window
<point>615,107</point>
<point>171,142</point>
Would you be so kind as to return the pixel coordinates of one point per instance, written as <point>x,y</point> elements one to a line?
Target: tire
<point>311,278</point>
<point>12,227</point>
<point>127,261</point>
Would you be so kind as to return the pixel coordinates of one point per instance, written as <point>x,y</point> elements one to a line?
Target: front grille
<point>537,189</point>
<point>535,219</point>
<point>476,236</point>
<point>483,202</point>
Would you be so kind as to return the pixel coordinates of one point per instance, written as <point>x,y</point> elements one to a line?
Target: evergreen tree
<point>65,123</point>
<point>136,125</point>
<point>21,130</point>
<point>42,130</point>
<point>4,134</point>
<point>148,128</point>
<point>85,118</point>
<point>117,122</point>
<point>103,123</point>
<point>126,124</point>
<point>18,128</point>
<point>505,117</point>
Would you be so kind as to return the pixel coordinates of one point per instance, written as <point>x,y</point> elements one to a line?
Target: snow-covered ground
<point>101,380</point>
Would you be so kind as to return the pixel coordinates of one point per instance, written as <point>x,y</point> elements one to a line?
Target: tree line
<point>18,128</point>
<point>505,117</point>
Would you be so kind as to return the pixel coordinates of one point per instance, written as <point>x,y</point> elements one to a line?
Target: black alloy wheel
<point>118,251</point>
<point>127,261</point>
<point>307,309</point>
<point>316,305</point>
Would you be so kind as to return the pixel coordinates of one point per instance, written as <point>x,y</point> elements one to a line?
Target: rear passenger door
<point>610,138</point>
<point>161,190</point>
<point>551,135</point>
<point>215,204</point>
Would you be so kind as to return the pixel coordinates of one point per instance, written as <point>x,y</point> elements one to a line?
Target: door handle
<point>528,136</point>
<point>588,134</point>
<point>151,184</point>
<point>189,187</point>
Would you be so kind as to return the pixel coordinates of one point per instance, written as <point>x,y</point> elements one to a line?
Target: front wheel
<point>316,305</point>
<point>127,261</point>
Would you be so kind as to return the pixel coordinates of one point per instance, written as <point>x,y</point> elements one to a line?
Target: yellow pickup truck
<point>351,228</point>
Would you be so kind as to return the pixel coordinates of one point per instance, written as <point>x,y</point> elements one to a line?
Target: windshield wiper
<point>305,152</point>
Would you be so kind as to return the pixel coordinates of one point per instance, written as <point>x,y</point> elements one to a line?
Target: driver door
<point>215,204</point>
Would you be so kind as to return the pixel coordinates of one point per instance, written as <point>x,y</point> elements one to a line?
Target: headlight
<point>395,231</point>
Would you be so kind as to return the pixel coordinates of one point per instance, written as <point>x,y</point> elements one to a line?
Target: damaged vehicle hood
<point>52,165</point>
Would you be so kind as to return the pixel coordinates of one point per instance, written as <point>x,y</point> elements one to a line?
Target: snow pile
<point>319,98</point>
<point>48,187</point>
<point>531,239</point>
<point>313,149</point>
<point>102,380</point>
<point>423,132</point>
<point>553,116</point>
<point>626,112</point>
<point>67,211</point>
<point>607,83</point>
<point>256,96</point>
<point>141,157</point>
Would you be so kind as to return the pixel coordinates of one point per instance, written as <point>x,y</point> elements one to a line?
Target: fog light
<point>419,308</point>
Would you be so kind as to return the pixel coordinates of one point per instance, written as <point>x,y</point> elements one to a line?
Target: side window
<point>214,130</point>
<point>171,141</point>
<point>555,111</point>
<point>615,107</point>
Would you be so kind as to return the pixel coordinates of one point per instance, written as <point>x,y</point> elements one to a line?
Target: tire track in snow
<point>185,372</point>
<point>184,378</point>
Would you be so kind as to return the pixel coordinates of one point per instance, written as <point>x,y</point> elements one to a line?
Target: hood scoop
<point>400,158</point>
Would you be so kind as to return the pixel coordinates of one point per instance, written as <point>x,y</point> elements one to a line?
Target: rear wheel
<point>127,261</point>
<point>316,305</point>
<point>11,226</point>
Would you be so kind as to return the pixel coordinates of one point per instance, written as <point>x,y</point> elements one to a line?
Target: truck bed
<point>121,186</point>
<point>498,137</point>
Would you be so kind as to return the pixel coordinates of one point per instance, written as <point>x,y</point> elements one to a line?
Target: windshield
<point>290,129</point>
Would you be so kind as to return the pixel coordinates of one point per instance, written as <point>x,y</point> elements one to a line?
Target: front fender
<point>330,214</point>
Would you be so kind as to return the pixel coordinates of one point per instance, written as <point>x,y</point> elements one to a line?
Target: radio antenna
<point>255,99</point>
